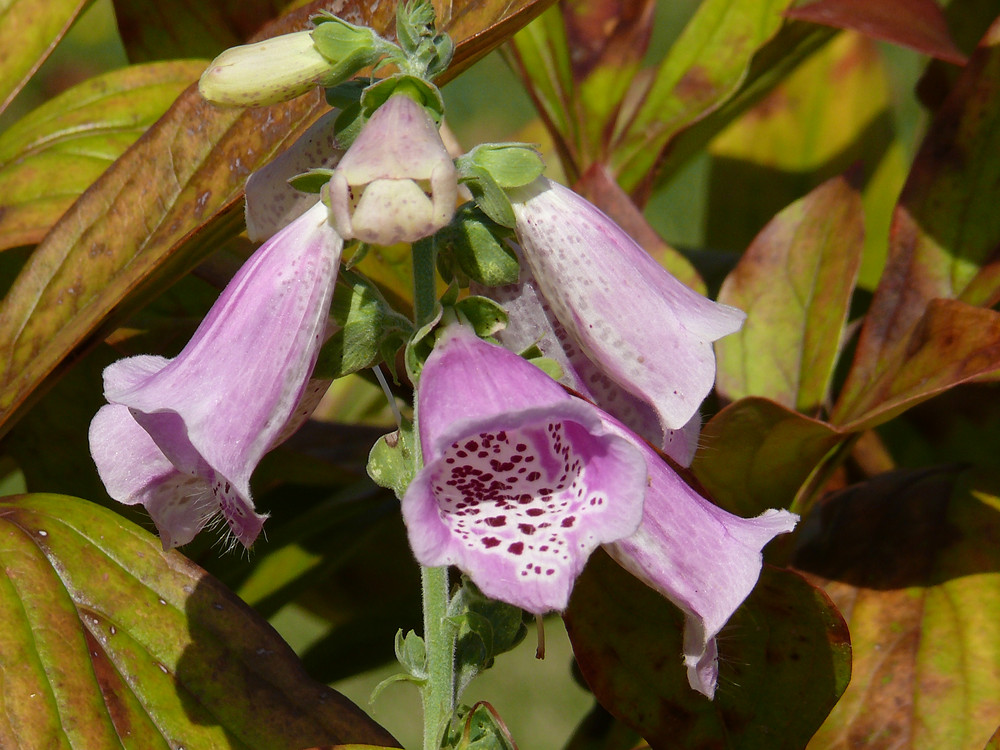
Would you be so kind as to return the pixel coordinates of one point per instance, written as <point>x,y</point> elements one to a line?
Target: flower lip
<point>518,498</point>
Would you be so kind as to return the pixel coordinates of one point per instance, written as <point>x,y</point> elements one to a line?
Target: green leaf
<point>118,641</point>
<point>392,460</point>
<point>705,67</point>
<point>795,283</point>
<point>755,454</point>
<point>369,329</point>
<point>50,156</point>
<point>786,646</point>
<point>946,229</point>
<point>952,343</point>
<point>834,111</point>
<point>28,34</point>
<point>163,206</point>
<point>578,61</point>
<point>911,557</point>
<point>472,246</point>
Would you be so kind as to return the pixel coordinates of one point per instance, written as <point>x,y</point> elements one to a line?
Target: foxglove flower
<point>521,482</point>
<point>182,436</point>
<point>488,419</point>
<point>648,333</point>
<point>396,183</point>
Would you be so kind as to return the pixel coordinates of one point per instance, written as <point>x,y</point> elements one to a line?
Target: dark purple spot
<point>526,528</point>
<point>516,548</point>
<point>535,511</point>
<point>490,541</point>
<point>497,521</point>
<point>568,522</point>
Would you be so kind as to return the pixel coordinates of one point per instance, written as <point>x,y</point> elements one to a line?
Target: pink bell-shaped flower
<point>182,436</point>
<point>520,485</point>
<point>397,182</point>
<point>627,326</point>
<point>521,481</point>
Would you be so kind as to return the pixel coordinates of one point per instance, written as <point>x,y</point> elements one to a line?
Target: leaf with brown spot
<point>946,228</point>
<point>917,24</point>
<point>50,156</point>
<point>755,454</point>
<point>163,206</point>
<point>912,559</point>
<point>703,69</point>
<point>785,646</point>
<point>115,638</point>
<point>795,283</point>
<point>27,36</point>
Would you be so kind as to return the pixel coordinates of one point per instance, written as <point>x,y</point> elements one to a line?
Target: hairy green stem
<point>438,693</point>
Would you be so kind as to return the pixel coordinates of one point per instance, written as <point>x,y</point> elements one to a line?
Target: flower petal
<point>521,481</point>
<point>532,322</point>
<point>271,202</point>
<point>647,331</point>
<point>703,559</point>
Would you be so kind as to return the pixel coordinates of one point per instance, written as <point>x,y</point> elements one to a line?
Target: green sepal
<point>348,124</point>
<point>370,330</point>
<point>420,346</point>
<point>311,181</point>
<point>549,366</point>
<point>488,194</point>
<point>392,460</point>
<point>485,629</point>
<point>343,95</point>
<point>349,48</point>
<point>511,165</point>
<point>422,92</point>
<point>479,728</point>
<point>486,316</point>
<point>412,653</point>
<point>471,247</point>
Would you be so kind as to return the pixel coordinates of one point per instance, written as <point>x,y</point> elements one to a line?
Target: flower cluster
<point>521,480</point>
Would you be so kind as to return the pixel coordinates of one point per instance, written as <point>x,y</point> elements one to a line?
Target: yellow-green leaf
<point>120,644</point>
<point>28,33</point>
<point>50,156</point>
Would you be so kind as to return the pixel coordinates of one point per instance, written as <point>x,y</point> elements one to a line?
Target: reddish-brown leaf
<point>946,229</point>
<point>917,24</point>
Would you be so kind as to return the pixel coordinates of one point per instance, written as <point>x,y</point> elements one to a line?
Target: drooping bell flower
<point>466,507</point>
<point>397,182</point>
<point>182,436</point>
<point>643,329</point>
<point>700,557</point>
<point>521,481</point>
